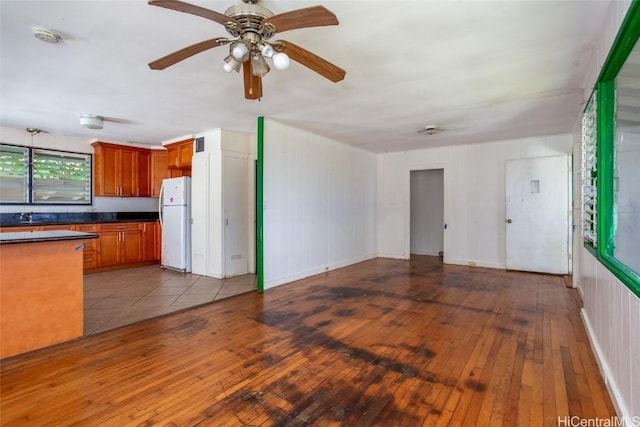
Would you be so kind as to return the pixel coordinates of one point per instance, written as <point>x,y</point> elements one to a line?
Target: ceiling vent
<point>430,130</point>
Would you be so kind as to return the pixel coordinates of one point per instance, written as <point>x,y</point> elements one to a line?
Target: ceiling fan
<point>251,27</point>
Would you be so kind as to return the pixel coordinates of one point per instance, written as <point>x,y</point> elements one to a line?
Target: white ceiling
<point>481,70</point>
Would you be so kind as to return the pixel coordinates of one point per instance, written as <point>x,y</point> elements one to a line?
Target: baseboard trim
<point>271,283</point>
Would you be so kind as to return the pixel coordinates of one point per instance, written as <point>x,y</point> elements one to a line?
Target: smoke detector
<point>45,35</point>
<point>91,121</point>
<point>430,130</point>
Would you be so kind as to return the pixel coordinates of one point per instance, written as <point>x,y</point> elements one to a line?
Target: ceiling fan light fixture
<point>259,66</point>
<point>230,64</point>
<point>240,51</point>
<point>281,61</point>
<point>267,51</point>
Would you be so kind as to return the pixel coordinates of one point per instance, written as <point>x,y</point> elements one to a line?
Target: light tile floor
<point>121,297</point>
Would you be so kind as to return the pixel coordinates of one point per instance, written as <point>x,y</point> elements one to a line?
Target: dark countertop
<point>52,218</point>
<point>43,236</point>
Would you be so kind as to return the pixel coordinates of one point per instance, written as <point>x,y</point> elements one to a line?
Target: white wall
<point>474,201</point>
<point>208,250</point>
<point>427,212</point>
<point>611,312</point>
<point>78,145</point>
<point>319,204</point>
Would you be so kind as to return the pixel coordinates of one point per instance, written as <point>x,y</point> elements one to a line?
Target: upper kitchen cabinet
<point>144,173</point>
<point>121,171</point>
<point>179,156</point>
<point>159,170</point>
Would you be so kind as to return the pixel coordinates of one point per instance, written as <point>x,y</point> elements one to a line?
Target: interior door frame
<point>568,208</point>
<point>410,205</point>
<point>445,207</point>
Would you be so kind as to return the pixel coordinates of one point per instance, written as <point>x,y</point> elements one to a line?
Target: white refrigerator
<point>175,220</point>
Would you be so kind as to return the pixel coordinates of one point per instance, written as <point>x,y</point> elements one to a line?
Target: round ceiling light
<point>46,35</point>
<point>91,121</point>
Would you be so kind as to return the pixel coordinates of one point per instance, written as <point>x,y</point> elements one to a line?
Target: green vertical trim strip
<point>605,159</point>
<point>260,206</point>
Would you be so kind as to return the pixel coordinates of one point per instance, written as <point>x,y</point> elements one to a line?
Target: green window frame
<point>604,247</point>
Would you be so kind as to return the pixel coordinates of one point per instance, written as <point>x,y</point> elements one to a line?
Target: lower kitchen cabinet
<point>158,252</point>
<point>119,244</point>
<point>149,241</point>
<point>90,253</point>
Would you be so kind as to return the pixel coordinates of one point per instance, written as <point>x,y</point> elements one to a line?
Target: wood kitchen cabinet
<point>119,244</point>
<point>159,170</point>
<point>149,241</point>
<point>144,173</point>
<point>121,171</point>
<point>179,156</point>
<point>158,230</point>
<point>90,254</point>
<point>19,229</point>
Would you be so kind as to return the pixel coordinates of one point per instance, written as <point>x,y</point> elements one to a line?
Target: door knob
<point>508,221</point>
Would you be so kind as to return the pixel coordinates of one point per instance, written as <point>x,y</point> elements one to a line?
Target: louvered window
<point>14,174</point>
<point>40,176</point>
<point>589,173</point>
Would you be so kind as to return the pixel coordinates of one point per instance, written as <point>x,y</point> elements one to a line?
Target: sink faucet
<point>26,217</point>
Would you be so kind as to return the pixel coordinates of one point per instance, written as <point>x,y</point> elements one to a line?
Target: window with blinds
<point>589,173</point>
<point>39,176</point>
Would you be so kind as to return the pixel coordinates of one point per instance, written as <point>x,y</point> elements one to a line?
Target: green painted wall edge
<point>623,44</point>
<point>260,207</point>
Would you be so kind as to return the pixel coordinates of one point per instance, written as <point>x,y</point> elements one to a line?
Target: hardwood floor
<point>383,342</point>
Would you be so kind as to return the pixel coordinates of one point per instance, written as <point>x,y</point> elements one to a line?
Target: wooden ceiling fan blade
<point>252,84</point>
<point>312,61</point>
<point>187,52</point>
<point>192,9</point>
<point>315,16</point>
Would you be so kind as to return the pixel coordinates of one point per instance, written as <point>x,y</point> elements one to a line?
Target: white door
<point>235,202</point>
<point>200,229</point>
<point>537,214</point>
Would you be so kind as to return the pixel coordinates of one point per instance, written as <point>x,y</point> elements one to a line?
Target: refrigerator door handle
<point>161,195</point>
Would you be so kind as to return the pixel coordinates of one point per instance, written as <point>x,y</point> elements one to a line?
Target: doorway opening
<point>427,212</point>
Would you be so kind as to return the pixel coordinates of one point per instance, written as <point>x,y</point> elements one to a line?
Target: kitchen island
<point>41,289</point>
